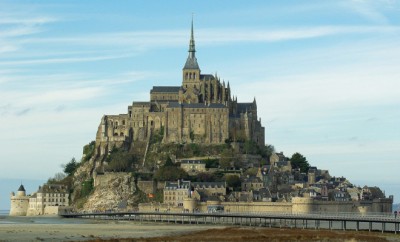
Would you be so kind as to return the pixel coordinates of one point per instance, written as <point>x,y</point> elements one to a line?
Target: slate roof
<point>208,184</point>
<point>177,185</point>
<point>169,89</point>
<point>195,105</point>
<point>21,188</point>
<point>242,107</point>
<point>206,77</point>
<point>191,63</point>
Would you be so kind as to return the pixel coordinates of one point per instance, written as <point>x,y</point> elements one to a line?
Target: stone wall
<point>19,205</point>
<point>297,206</point>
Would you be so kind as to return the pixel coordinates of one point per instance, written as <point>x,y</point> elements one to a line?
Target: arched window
<point>186,76</point>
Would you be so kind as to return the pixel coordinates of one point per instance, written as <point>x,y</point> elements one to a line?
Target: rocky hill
<point>110,182</point>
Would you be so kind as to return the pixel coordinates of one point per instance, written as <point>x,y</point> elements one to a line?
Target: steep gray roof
<point>208,184</point>
<point>242,107</point>
<point>195,105</point>
<point>140,104</point>
<point>171,89</point>
<point>206,77</point>
<point>191,63</point>
<point>177,185</point>
<point>21,188</point>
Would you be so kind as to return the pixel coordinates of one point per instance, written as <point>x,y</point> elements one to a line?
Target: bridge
<point>341,221</point>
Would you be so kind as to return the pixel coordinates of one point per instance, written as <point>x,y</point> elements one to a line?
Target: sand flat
<point>81,232</point>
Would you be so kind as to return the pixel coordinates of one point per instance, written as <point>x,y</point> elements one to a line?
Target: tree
<point>233,181</point>
<point>120,161</point>
<point>170,173</point>
<point>250,147</point>
<point>229,159</point>
<point>299,161</point>
<point>211,163</point>
<point>267,151</point>
<point>88,151</point>
<point>169,162</point>
<point>70,167</point>
<point>251,171</point>
<point>205,177</point>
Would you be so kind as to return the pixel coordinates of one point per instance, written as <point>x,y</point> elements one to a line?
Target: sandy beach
<point>81,232</point>
<point>120,231</point>
<point>59,229</point>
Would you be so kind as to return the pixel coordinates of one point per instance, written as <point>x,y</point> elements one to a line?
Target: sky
<point>325,75</point>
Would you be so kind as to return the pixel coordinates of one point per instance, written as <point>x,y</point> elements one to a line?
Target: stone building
<point>193,166</point>
<point>200,110</point>
<point>209,190</point>
<point>176,192</point>
<point>19,202</point>
<point>48,199</point>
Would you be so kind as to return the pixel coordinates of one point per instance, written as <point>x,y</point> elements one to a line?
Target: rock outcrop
<point>112,191</point>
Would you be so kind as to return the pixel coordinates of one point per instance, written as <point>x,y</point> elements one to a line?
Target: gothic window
<point>123,122</point>
<point>186,76</point>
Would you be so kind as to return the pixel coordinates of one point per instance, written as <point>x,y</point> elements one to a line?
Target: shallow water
<point>5,219</point>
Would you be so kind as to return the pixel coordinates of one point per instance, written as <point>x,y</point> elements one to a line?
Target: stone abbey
<point>201,110</point>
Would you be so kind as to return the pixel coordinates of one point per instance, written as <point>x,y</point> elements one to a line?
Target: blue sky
<point>325,75</point>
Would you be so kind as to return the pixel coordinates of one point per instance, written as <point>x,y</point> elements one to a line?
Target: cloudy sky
<point>325,75</point>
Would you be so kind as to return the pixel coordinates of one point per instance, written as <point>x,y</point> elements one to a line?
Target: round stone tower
<point>19,202</point>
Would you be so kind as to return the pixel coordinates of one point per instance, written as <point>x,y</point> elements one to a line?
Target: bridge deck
<point>384,223</point>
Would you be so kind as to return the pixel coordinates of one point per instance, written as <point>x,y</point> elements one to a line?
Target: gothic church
<point>201,110</point>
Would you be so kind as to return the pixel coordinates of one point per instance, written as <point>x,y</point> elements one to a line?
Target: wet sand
<point>82,232</point>
<point>92,230</point>
<point>247,234</point>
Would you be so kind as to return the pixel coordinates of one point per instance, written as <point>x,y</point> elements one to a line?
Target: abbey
<point>201,110</point>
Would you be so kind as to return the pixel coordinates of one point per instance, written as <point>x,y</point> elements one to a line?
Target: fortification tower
<point>19,202</point>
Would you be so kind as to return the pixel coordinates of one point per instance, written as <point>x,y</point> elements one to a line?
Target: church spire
<point>191,62</point>
<point>192,47</point>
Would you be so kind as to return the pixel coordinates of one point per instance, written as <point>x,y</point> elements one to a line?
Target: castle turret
<point>19,202</point>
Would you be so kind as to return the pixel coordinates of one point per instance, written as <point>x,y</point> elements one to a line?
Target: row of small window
<point>174,193</point>
<point>190,76</point>
<point>116,123</point>
<point>54,200</point>
<point>253,185</point>
<point>55,195</point>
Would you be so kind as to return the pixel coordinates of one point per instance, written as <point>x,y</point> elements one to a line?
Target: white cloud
<point>368,10</point>
<point>273,35</point>
<point>65,60</point>
<point>26,100</point>
<point>19,20</point>
<point>156,39</point>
